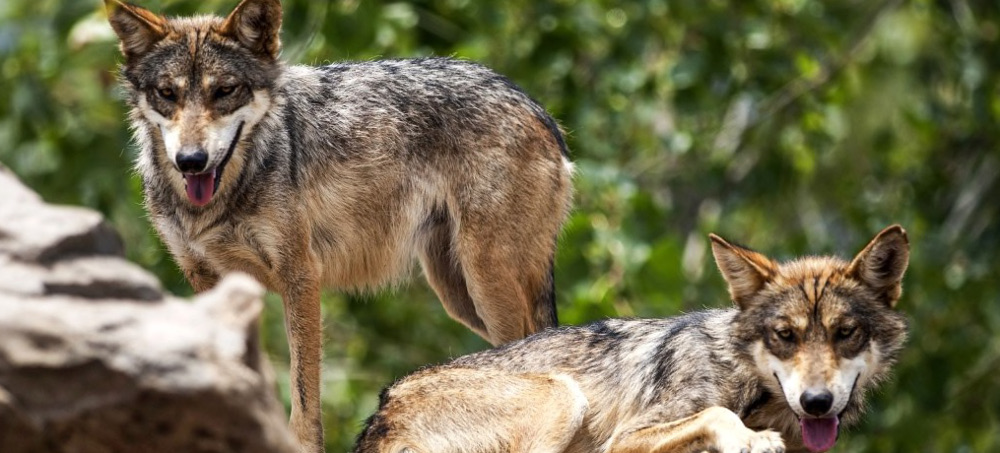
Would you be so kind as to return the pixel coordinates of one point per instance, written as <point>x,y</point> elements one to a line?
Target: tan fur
<point>543,412</point>
<point>715,429</point>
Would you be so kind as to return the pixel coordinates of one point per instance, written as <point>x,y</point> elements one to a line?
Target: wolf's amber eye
<point>167,93</point>
<point>844,333</point>
<point>785,334</point>
<point>224,91</point>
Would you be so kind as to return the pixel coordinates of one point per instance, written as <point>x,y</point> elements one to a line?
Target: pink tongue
<point>819,434</point>
<point>200,187</point>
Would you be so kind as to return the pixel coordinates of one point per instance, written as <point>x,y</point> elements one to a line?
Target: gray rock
<point>33,231</point>
<point>94,357</point>
<point>101,277</point>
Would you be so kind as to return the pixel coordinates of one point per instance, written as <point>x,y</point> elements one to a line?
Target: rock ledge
<point>95,357</point>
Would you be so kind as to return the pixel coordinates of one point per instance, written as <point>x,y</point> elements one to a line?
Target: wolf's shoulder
<point>610,340</point>
<point>622,332</point>
<point>615,326</point>
<point>419,64</point>
<point>430,91</point>
<point>396,70</point>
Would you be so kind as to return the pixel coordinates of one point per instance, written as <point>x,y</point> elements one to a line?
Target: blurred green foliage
<point>794,126</point>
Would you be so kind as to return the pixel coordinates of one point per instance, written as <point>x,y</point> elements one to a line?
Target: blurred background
<point>792,126</point>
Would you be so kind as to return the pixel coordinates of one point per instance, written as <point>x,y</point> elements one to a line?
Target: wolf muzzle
<point>200,182</point>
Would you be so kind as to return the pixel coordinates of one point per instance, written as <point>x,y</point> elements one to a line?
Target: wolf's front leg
<point>715,429</point>
<point>303,327</point>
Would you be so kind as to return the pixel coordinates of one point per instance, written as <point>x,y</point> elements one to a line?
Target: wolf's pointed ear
<point>745,270</point>
<point>256,24</point>
<point>881,264</point>
<point>138,29</point>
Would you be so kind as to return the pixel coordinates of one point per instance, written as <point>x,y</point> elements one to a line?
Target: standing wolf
<point>341,176</point>
<point>780,372</point>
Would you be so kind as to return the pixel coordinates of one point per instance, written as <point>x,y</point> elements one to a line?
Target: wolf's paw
<point>731,436</point>
<point>752,442</point>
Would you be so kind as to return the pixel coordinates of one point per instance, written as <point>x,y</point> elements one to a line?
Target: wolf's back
<point>428,104</point>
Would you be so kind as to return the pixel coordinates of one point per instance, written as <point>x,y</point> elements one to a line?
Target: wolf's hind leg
<point>508,202</point>
<point>715,429</point>
<point>444,273</point>
<point>509,277</point>
<point>453,410</point>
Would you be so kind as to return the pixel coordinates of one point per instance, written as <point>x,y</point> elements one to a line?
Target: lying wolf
<point>780,372</point>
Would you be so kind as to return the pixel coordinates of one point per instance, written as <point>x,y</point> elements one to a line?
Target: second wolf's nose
<point>192,162</point>
<point>816,403</point>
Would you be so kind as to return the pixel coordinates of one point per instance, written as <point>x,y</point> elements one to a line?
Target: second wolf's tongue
<point>200,187</point>
<point>819,434</point>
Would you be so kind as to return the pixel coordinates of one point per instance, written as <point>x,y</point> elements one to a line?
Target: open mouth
<point>202,186</point>
<point>819,434</point>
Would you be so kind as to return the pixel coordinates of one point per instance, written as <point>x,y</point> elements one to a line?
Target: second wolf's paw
<point>760,442</point>
<point>731,436</point>
<point>750,441</point>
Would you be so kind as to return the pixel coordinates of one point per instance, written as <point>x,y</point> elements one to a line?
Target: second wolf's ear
<point>138,29</point>
<point>882,263</point>
<point>256,24</point>
<point>745,270</point>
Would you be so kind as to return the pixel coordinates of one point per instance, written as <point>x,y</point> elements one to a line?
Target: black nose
<point>192,162</point>
<point>816,403</point>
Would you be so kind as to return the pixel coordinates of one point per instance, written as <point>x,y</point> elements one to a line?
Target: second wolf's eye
<point>844,333</point>
<point>785,334</point>
<point>224,91</point>
<point>167,93</point>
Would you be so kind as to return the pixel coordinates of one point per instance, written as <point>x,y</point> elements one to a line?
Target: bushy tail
<point>545,301</point>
